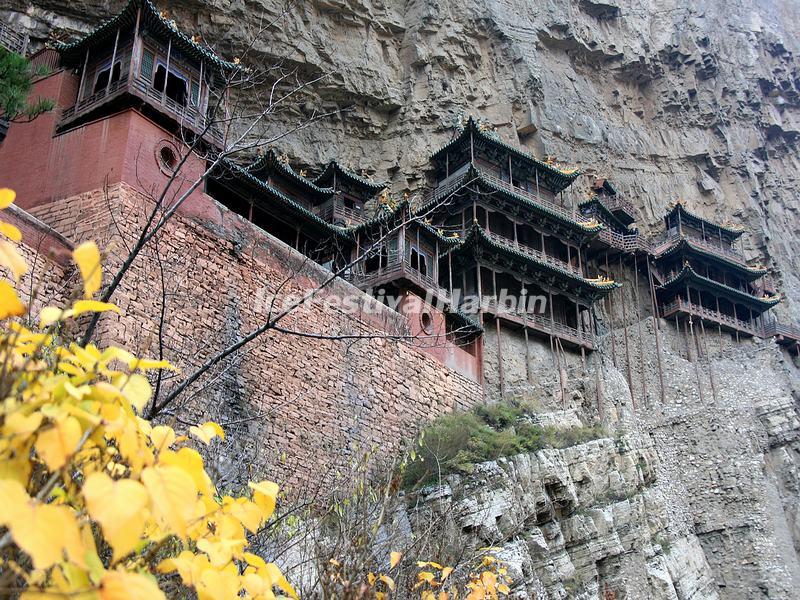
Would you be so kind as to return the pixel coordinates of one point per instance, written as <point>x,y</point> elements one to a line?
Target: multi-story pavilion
<point>701,275</point>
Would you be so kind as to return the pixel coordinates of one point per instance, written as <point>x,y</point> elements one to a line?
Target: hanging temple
<point>491,231</point>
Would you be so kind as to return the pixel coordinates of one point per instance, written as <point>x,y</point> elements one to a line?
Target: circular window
<point>427,322</point>
<point>167,157</point>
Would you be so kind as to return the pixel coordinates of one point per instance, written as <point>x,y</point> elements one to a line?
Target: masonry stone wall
<point>294,406</point>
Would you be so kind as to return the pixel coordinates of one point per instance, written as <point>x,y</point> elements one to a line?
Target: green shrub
<point>455,443</point>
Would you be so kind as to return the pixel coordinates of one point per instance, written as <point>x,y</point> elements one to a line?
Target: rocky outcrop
<point>584,522</point>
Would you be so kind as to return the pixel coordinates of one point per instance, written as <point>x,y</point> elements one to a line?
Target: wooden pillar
<point>611,318</point>
<point>166,74</point>
<point>136,51</point>
<point>580,264</point>
<point>113,60</point>
<point>627,347</point>
<point>510,176</point>
<point>501,372</point>
<point>201,102</point>
<point>82,84</point>
<point>450,272</point>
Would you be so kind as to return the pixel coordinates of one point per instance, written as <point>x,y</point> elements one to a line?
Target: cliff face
<point>670,99</point>
<point>699,100</point>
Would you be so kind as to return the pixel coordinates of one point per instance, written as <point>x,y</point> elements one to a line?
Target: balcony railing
<point>537,254</point>
<point>563,211</point>
<point>541,323</point>
<point>186,116</point>
<point>618,202</point>
<point>13,40</point>
<point>680,305</point>
<point>775,328</point>
<point>713,247</point>
<point>631,242</point>
<point>395,269</point>
<point>334,212</point>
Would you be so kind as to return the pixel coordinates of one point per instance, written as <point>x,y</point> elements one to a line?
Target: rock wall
<point>669,99</point>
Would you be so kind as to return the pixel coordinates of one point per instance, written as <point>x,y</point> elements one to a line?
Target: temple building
<point>701,276</point>
<point>139,57</point>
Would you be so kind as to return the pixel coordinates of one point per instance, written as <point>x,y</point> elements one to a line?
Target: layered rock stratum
<point>699,497</point>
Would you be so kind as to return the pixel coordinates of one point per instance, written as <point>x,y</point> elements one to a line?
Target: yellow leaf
<point>218,585</point>
<point>182,563</point>
<point>56,444</point>
<point>12,259</point>
<point>246,512</point>
<point>265,494</point>
<point>503,589</point>
<point>11,232</point>
<point>190,461</point>
<point>207,431</point>
<point>162,437</point>
<point>20,424</point>
<point>45,532</point>
<point>52,314</point>
<point>119,508</point>
<point>173,496</point>
<point>278,579</point>
<point>94,306</point>
<point>394,558</point>
<point>7,197</point>
<point>446,572</point>
<point>87,257</point>
<point>220,553</point>
<point>10,304</point>
<point>136,389</point>
<point>388,581</point>
<point>121,585</point>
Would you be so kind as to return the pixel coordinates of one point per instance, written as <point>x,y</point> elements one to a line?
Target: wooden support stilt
<point>625,340</point>
<point>611,317</point>
<point>500,358</point>
<point>639,327</point>
<point>656,330</point>
<point>708,361</point>
<point>696,362</point>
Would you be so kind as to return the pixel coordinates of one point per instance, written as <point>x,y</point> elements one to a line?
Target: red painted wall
<point>42,166</point>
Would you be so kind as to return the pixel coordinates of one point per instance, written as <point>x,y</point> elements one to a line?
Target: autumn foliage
<point>96,501</point>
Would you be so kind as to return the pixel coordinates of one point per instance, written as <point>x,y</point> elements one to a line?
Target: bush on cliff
<point>455,443</point>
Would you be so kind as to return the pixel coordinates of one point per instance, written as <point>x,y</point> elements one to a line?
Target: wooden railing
<point>13,40</point>
<point>775,328</point>
<point>397,268</point>
<point>618,202</point>
<point>333,212</point>
<point>713,247</point>
<point>186,116</point>
<point>537,254</point>
<point>680,305</point>
<point>540,322</point>
<point>563,211</point>
<point>631,242</point>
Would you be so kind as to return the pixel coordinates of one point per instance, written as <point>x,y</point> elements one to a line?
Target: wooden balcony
<point>536,254</point>
<point>727,322</point>
<point>631,242</point>
<point>186,116</point>
<point>618,203</point>
<point>785,335</point>
<point>395,270</point>
<point>711,246</point>
<point>539,323</point>
<point>333,211</point>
